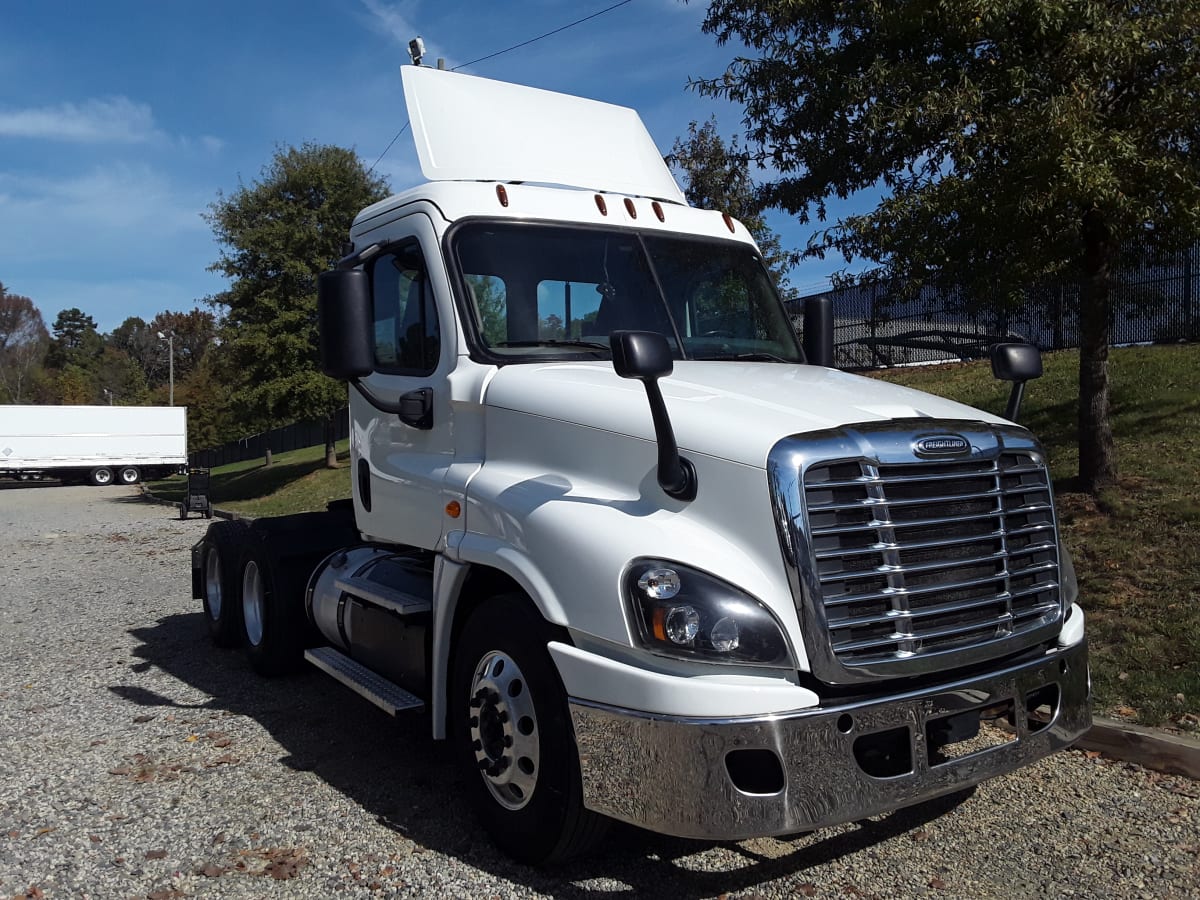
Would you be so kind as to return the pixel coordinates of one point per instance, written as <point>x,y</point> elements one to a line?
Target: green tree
<point>76,341</point>
<point>717,176</point>
<point>277,235</point>
<point>1016,139</point>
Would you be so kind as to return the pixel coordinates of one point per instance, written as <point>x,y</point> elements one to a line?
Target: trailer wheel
<point>272,615</point>
<point>129,475</point>
<point>101,475</point>
<point>514,739</point>
<point>222,611</point>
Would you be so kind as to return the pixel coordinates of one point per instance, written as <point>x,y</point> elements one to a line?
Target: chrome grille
<point>928,556</point>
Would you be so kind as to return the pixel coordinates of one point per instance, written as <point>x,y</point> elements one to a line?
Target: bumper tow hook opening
<point>756,771</point>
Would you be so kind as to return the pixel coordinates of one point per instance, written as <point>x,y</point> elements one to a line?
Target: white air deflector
<point>475,129</point>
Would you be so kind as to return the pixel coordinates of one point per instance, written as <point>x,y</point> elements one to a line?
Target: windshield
<point>541,291</point>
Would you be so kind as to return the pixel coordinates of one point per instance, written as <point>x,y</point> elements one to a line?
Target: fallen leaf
<point>921,835</point>
<point>1126,712</point>
<point>222,742</point>
<point>156,854</point>
<point>808,889</point>
<point>1123,676</point>
<point>212,870</point>
<point>14,834</point>
<point>95,838</point>
<point>1092,754</point>
<point>42,831</point>
<point>937,884</point>
<point>192,738</point>
<point>141,719</point>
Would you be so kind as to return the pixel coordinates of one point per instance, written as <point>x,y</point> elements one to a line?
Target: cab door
<point>400,466</point>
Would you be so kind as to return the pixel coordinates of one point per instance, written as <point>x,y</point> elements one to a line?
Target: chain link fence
<point>1155,300</point>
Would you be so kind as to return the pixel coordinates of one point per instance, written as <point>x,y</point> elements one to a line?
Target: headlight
<point>688,614</point>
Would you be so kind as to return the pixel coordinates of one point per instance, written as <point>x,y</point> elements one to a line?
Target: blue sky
<point>121,121</point>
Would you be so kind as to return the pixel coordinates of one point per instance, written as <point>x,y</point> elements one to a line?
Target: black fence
<point>1155,300</point>
<point>280,440</point>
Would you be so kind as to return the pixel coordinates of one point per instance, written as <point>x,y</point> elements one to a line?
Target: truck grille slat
<point>926,556</point>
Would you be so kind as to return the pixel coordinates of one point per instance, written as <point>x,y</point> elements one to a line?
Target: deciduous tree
<point>716,175</point>
<point>1014,139</point>
<point>277,235</point>
<point>23,343</point>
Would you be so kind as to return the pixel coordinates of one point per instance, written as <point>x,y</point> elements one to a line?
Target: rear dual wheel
<point>273,619</point>
<point>222,601</point>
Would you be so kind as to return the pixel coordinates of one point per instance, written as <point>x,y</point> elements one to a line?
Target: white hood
<point>730,410</point>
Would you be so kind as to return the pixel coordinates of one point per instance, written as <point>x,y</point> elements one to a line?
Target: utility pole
<point>169,337</point>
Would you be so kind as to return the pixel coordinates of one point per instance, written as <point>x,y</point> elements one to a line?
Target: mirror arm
<point>676,474</point>
<point>1014,401</point>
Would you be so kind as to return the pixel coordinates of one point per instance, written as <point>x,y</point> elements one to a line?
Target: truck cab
<point>639,555</point>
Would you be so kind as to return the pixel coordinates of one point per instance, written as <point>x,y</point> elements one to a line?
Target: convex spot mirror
<point>641,354</point>
<point>1016,362</point>
<point>345,320</point>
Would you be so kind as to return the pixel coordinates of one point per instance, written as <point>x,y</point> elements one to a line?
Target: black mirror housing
<point>345,319</point>
<point>1016,362</point>
<point>641,354</point>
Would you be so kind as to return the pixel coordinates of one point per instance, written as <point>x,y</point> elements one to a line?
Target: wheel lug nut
<point>503,717</point>
<point>508,740</point>
<point>485,764</point>
<point>474,721</point>
<point>477,745</point>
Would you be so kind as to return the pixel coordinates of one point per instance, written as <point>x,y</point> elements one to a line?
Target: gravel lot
<point>138,761</point>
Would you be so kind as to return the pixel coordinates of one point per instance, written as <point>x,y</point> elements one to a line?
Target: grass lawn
<point>296,481</point>
<point>1136,549</point>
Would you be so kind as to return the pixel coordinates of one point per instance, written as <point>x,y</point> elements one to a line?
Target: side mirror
<point>646,356</point>
<point>345,320</point>
<point>1017,363</point>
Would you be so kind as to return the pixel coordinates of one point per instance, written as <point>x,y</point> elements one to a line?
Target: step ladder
<point>387,695</point>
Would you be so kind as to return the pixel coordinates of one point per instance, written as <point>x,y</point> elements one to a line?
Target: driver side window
<point>407,334</point>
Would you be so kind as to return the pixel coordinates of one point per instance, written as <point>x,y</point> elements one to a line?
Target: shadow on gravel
<point>405,781</point>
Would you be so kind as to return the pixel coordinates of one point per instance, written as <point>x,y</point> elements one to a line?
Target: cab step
<point>387,695</point>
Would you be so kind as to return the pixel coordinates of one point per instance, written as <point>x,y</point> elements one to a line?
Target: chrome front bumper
<point>677,775</point>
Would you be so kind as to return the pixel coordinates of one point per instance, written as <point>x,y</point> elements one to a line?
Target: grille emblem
<point>942,445</point>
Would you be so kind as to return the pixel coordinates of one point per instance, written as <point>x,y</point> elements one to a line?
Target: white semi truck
<point>97,444</point>
<point>638,553</point>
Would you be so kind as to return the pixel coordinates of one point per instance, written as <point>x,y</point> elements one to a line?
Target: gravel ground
<point>138,761</point>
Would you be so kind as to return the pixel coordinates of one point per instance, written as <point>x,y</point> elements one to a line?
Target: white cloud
<point>108,120</point>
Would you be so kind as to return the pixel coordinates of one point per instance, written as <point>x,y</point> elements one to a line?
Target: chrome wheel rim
<point>212,583</point>
<point>252,602</point>
<point>504,731</point>
<point>129,476</point>
<point>104,476</point>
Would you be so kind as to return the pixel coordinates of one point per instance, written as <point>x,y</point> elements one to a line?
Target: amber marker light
<point>502,193</point>
<point>630,208</point>
<point>658,211</point>
<point>454,509</point>
<point>601,205</point>
<point>728,221</point>
<point>658,623</point>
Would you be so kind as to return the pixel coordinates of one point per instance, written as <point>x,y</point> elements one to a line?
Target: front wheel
<point>514,737</point>
<point>101,476</point>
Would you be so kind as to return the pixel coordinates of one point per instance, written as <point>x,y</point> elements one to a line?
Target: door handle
<point>416,408</point>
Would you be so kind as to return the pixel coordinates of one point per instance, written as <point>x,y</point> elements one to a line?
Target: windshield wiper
<point>590,345</point>
<point>750,357</point>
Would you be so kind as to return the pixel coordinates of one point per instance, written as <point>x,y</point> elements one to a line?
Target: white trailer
<point>100,444</point>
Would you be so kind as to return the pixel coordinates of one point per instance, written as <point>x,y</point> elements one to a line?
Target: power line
<point>540,36</point>
<point>389,146</point>
<point>533,40</point>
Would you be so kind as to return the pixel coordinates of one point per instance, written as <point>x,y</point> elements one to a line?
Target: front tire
<point>101,476</point>
<point>129,475</point>
<point>222,606</point>
<point>514,737</point>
